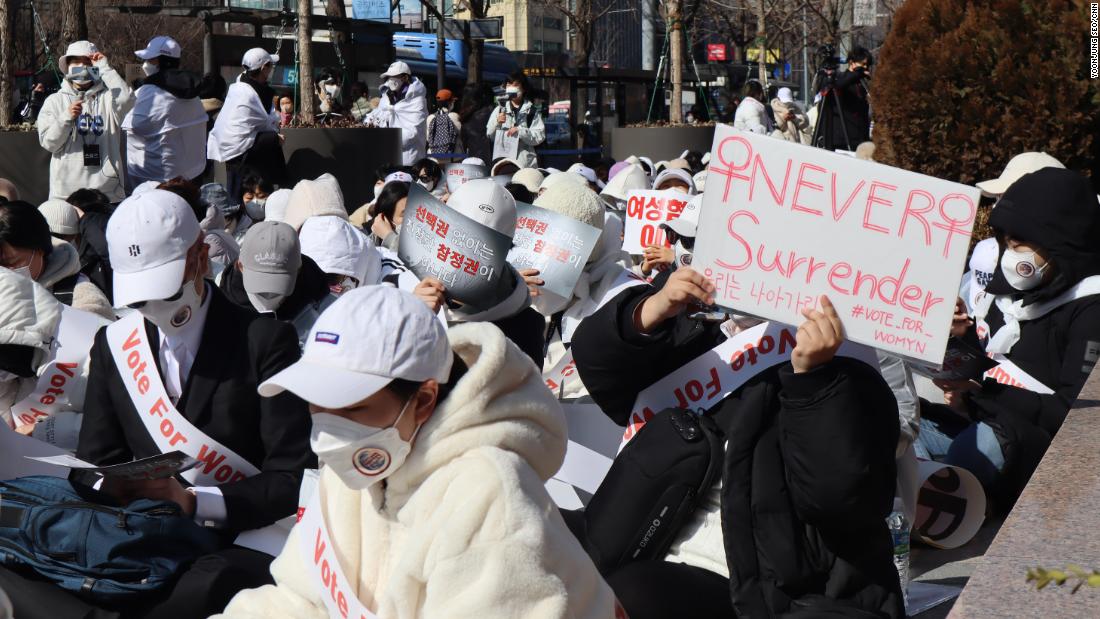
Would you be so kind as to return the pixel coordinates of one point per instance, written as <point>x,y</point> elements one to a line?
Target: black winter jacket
<point>1055,209</point>
<point>809,474</point>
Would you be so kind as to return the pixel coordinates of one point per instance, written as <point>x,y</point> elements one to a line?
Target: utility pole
<point>806,98</point>
<point>5,62</point>
<point>440,52</point>
<point>676,62</point>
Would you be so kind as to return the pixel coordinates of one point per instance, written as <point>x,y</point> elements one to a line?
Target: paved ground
<point>950,567</point>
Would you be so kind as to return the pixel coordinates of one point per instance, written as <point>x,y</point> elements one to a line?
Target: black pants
<point>664,590</point>
<point>202,590</point>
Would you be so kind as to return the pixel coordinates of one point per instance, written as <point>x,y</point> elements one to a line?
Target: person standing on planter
<point>247,128</point>
<point>80,124</point>
<point>166,129</point>
<point>403,106</point>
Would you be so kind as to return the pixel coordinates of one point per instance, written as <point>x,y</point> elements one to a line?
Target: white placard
<point>950,505</point>
<point>645,211</point>
<point>505,146</point>
<point>783,223</point>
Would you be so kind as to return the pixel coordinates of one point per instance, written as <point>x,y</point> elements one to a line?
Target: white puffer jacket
<point>464,528</point>
<point>29,316</point>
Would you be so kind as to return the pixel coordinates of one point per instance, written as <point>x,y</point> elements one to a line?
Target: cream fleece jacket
<point>464,528</point>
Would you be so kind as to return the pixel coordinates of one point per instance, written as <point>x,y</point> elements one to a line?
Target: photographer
<point>517,116</point>
<point>851,122</point>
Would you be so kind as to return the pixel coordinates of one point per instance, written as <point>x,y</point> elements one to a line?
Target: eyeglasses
<point>687,241</point>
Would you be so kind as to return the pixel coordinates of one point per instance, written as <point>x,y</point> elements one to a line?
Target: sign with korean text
<point>645,211</point>
<point>783,223</point>
<point>458,174</point>
<point>555,244</point>
<point>469,258</point>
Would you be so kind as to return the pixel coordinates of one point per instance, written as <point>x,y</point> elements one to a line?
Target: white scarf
<point>1014,313</point>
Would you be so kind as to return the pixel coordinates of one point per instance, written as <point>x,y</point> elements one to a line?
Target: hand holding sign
<point>432,292</point>
<point>961,321</point>
<point>684,287</point>
<point>818,338</point>
<point>533,281</point>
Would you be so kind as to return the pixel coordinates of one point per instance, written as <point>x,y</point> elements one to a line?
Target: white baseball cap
<point>257,57</point>
<point>397,68</point>
<point>337,247</point>
<point>148,237</point>
<point>677,174</point>
<point>785,95</point>
<point>1017,168</point>
<point>362,342</point>
<point>585,172</point>
<point>688,221</point>
<point>159,46</point>
<point>76,48</point>
<point>487,203</point>
<point>474,161</point>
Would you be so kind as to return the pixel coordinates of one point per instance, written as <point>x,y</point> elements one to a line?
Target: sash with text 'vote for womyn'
<point>1008,373</point>
<point>172,431</point>
<point>51,393</point>
<point>699,385</point>
<point>337,592</point>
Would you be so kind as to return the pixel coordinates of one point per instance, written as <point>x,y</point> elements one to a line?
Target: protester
<point>286,111</point>
<point>246,131</point>
<point>94,209</point>
<point>823,548</point>
<point>27,248</point>
<point>388,213</point>
<point>530,178</point>
<point>403,106</point>
<point>518,117</point>
<point>329,93</point>
<point>504,167</point>
<point>474,112</point>
<point>630,178</point>
<point>80,124</point>
<point>751,115</point>
<point>276,206</point>
<point>210,355</point>
<point>255,189</point>
<point>463,435</point>
<point>342,252</point>
<point>1041,312</point>
<point>274,278</point>
<point>851,120</point>
<point>790,121</point>
<point>674,179</point>
<point>62,219</point>
<point>429,175</point>
<point>166,129</point>
<point>224,250</point>
<point>444,126</point>
<point>360,104</point>
<point>490,204</point>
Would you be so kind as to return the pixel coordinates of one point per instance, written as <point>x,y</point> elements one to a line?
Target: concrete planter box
<point>25,163</point>
<point>351,155</point>
<point>659,142</point>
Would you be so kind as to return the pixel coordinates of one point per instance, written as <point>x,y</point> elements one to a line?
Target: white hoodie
<point>165,136</point>
<point>409,116</point>
<point>105,105</point>
<point>464,528</point>
<point>243,116</point>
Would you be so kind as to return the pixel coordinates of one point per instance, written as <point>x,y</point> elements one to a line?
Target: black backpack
<point>653,487</point>
<point>444,133</point>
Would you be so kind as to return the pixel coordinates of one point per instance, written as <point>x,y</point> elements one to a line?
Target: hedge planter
<point>659,143</point>
<point>25,163</point>
<point>351,155</point>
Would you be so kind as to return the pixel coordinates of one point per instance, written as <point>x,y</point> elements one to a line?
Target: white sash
<point>51,393</point>
<point>169,429</point>
<point>1008,373</point>
<point>317,550</point>
<point>1014,313</point>
<point>709,378</point>
<point>556,376</point>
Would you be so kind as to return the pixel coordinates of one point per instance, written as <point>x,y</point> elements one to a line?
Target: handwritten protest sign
<point>784,223</point>
<point>469,258</point>
<point>646,210</point>
<point>555,244</point>
<point>458,174</point>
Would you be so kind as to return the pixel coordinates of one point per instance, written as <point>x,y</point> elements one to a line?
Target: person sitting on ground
<point>214,202</point>
<point>428,174</point>
<point>94,209</point>
<point>388,212</point>
<point>435,446</point>
<point>63,220</point>
<point>201,360</point>
<point>27,248</point>
<point>343,253</point>
<point>1040,317</point>
<point>796,522</point>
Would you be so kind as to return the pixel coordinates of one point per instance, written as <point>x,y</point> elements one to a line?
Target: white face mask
<point>332,89</point>
<point>82,76</point>
<point>172,316</point>
<point>346,284</point>
<point>429,185</point>
<point>683,255</point>
<point>512,92</point>
<point>393,84</point>
<point>149,68</point>
<point>254,208</point>
<point>360,455</point>
<point>265,304</point>
<point>1021,270</point>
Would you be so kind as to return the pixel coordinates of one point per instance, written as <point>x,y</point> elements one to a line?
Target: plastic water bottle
<point>899,531</point>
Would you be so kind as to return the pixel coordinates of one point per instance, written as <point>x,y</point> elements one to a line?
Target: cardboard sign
<point>555,244</point>
<point>645,211</point>
<point>950,505</point>
<point>961,362</point>
<point>783,223</point>
<point>469,258</point>
<point>505,146</point>
<point>458,174</point>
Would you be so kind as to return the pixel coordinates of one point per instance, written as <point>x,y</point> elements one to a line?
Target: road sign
<point>864,13</point>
